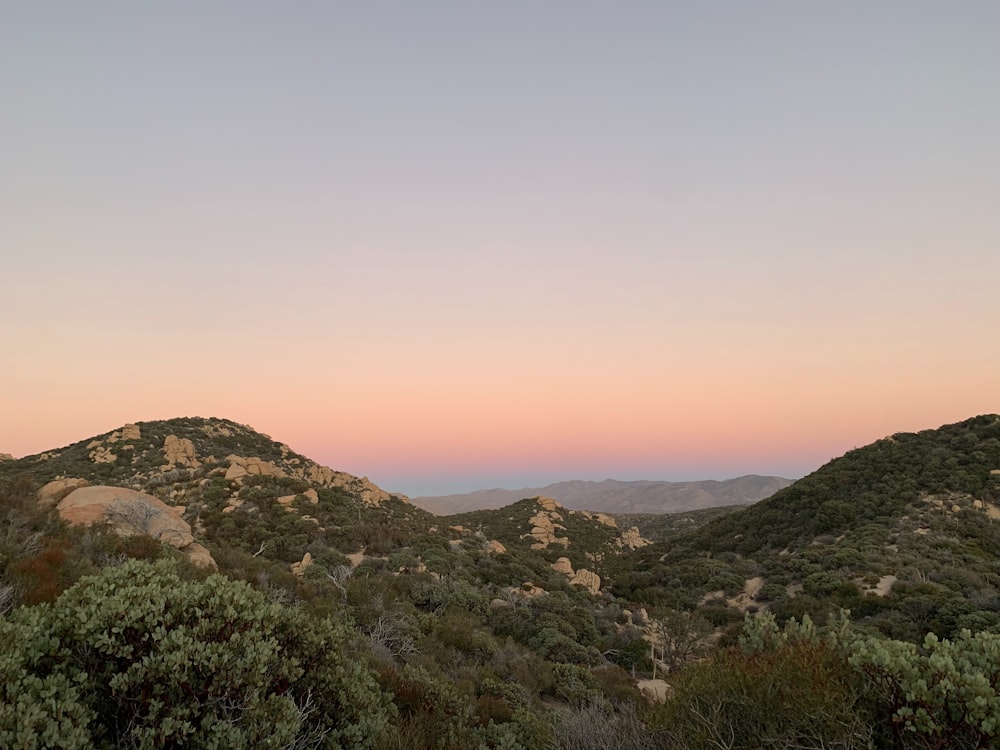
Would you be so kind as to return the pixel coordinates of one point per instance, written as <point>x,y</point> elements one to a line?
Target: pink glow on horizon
<point>662,243</point>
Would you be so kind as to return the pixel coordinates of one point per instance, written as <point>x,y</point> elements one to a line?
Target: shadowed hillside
<point>904,532</point>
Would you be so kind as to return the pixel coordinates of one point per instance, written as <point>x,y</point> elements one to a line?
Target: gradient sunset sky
<point>453,245</point>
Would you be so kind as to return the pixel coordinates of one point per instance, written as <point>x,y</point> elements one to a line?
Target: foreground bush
<point>797,687</point>
<point>138,657</point>
<point>945,694</point>
<point>801,695</point>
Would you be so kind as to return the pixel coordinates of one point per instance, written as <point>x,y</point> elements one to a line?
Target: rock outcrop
<point>322,476</point>
<point>494,547</point>
<point>6,457</point>
<point>131,513</point>
<point>179,452</point>
<point>632,539</point>
<point>544,525</point>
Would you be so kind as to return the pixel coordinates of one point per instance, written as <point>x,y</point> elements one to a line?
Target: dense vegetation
<point>414,631</point>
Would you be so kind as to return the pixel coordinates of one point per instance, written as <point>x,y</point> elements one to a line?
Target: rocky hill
<point>182,453</point>
<point>215,487</point>
<point>614,496</point>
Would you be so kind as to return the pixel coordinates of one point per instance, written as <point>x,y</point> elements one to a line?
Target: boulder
<point>588,579</point>
<point>235,472</point>
<point>199,555</point>
<point>131,432</point>
<point>530,590</point>
<point>57,489</point>
<point>494,547</point>
<point>300,567</point>
<point>564,566</point>
<point>655,691</point>
<point>131,513</point>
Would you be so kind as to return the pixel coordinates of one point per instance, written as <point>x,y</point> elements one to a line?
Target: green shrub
<point>945,694</point>
<point>139,657</point>
<point>800,695</point>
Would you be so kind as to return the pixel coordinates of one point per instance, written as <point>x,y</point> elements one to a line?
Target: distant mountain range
<point>613,496</point>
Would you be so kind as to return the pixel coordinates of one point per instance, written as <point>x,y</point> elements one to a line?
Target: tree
<point>139,657</point>
<point>679,637</point>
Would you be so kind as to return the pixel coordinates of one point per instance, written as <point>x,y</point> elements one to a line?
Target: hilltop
<point>181,452</point>
<point>614,496</point>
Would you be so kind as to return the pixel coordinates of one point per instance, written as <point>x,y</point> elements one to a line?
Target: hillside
<point>613,496</point>
<point>903,532</point>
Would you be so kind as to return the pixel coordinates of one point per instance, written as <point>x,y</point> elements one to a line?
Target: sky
<point>454,245</point>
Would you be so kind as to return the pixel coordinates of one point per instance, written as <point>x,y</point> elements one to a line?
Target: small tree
<point>676,638</point>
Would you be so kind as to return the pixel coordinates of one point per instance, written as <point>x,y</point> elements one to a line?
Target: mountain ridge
<point>617,496</point>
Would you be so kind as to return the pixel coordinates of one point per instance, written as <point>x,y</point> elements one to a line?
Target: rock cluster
<point>179,452</point>
<point>600,518</point>
<point>544,525</point>
<point>582,577</point>
<point>100,453</point>
<point>322,476</point>
<point>240,467</point>
<point>631,539</point>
